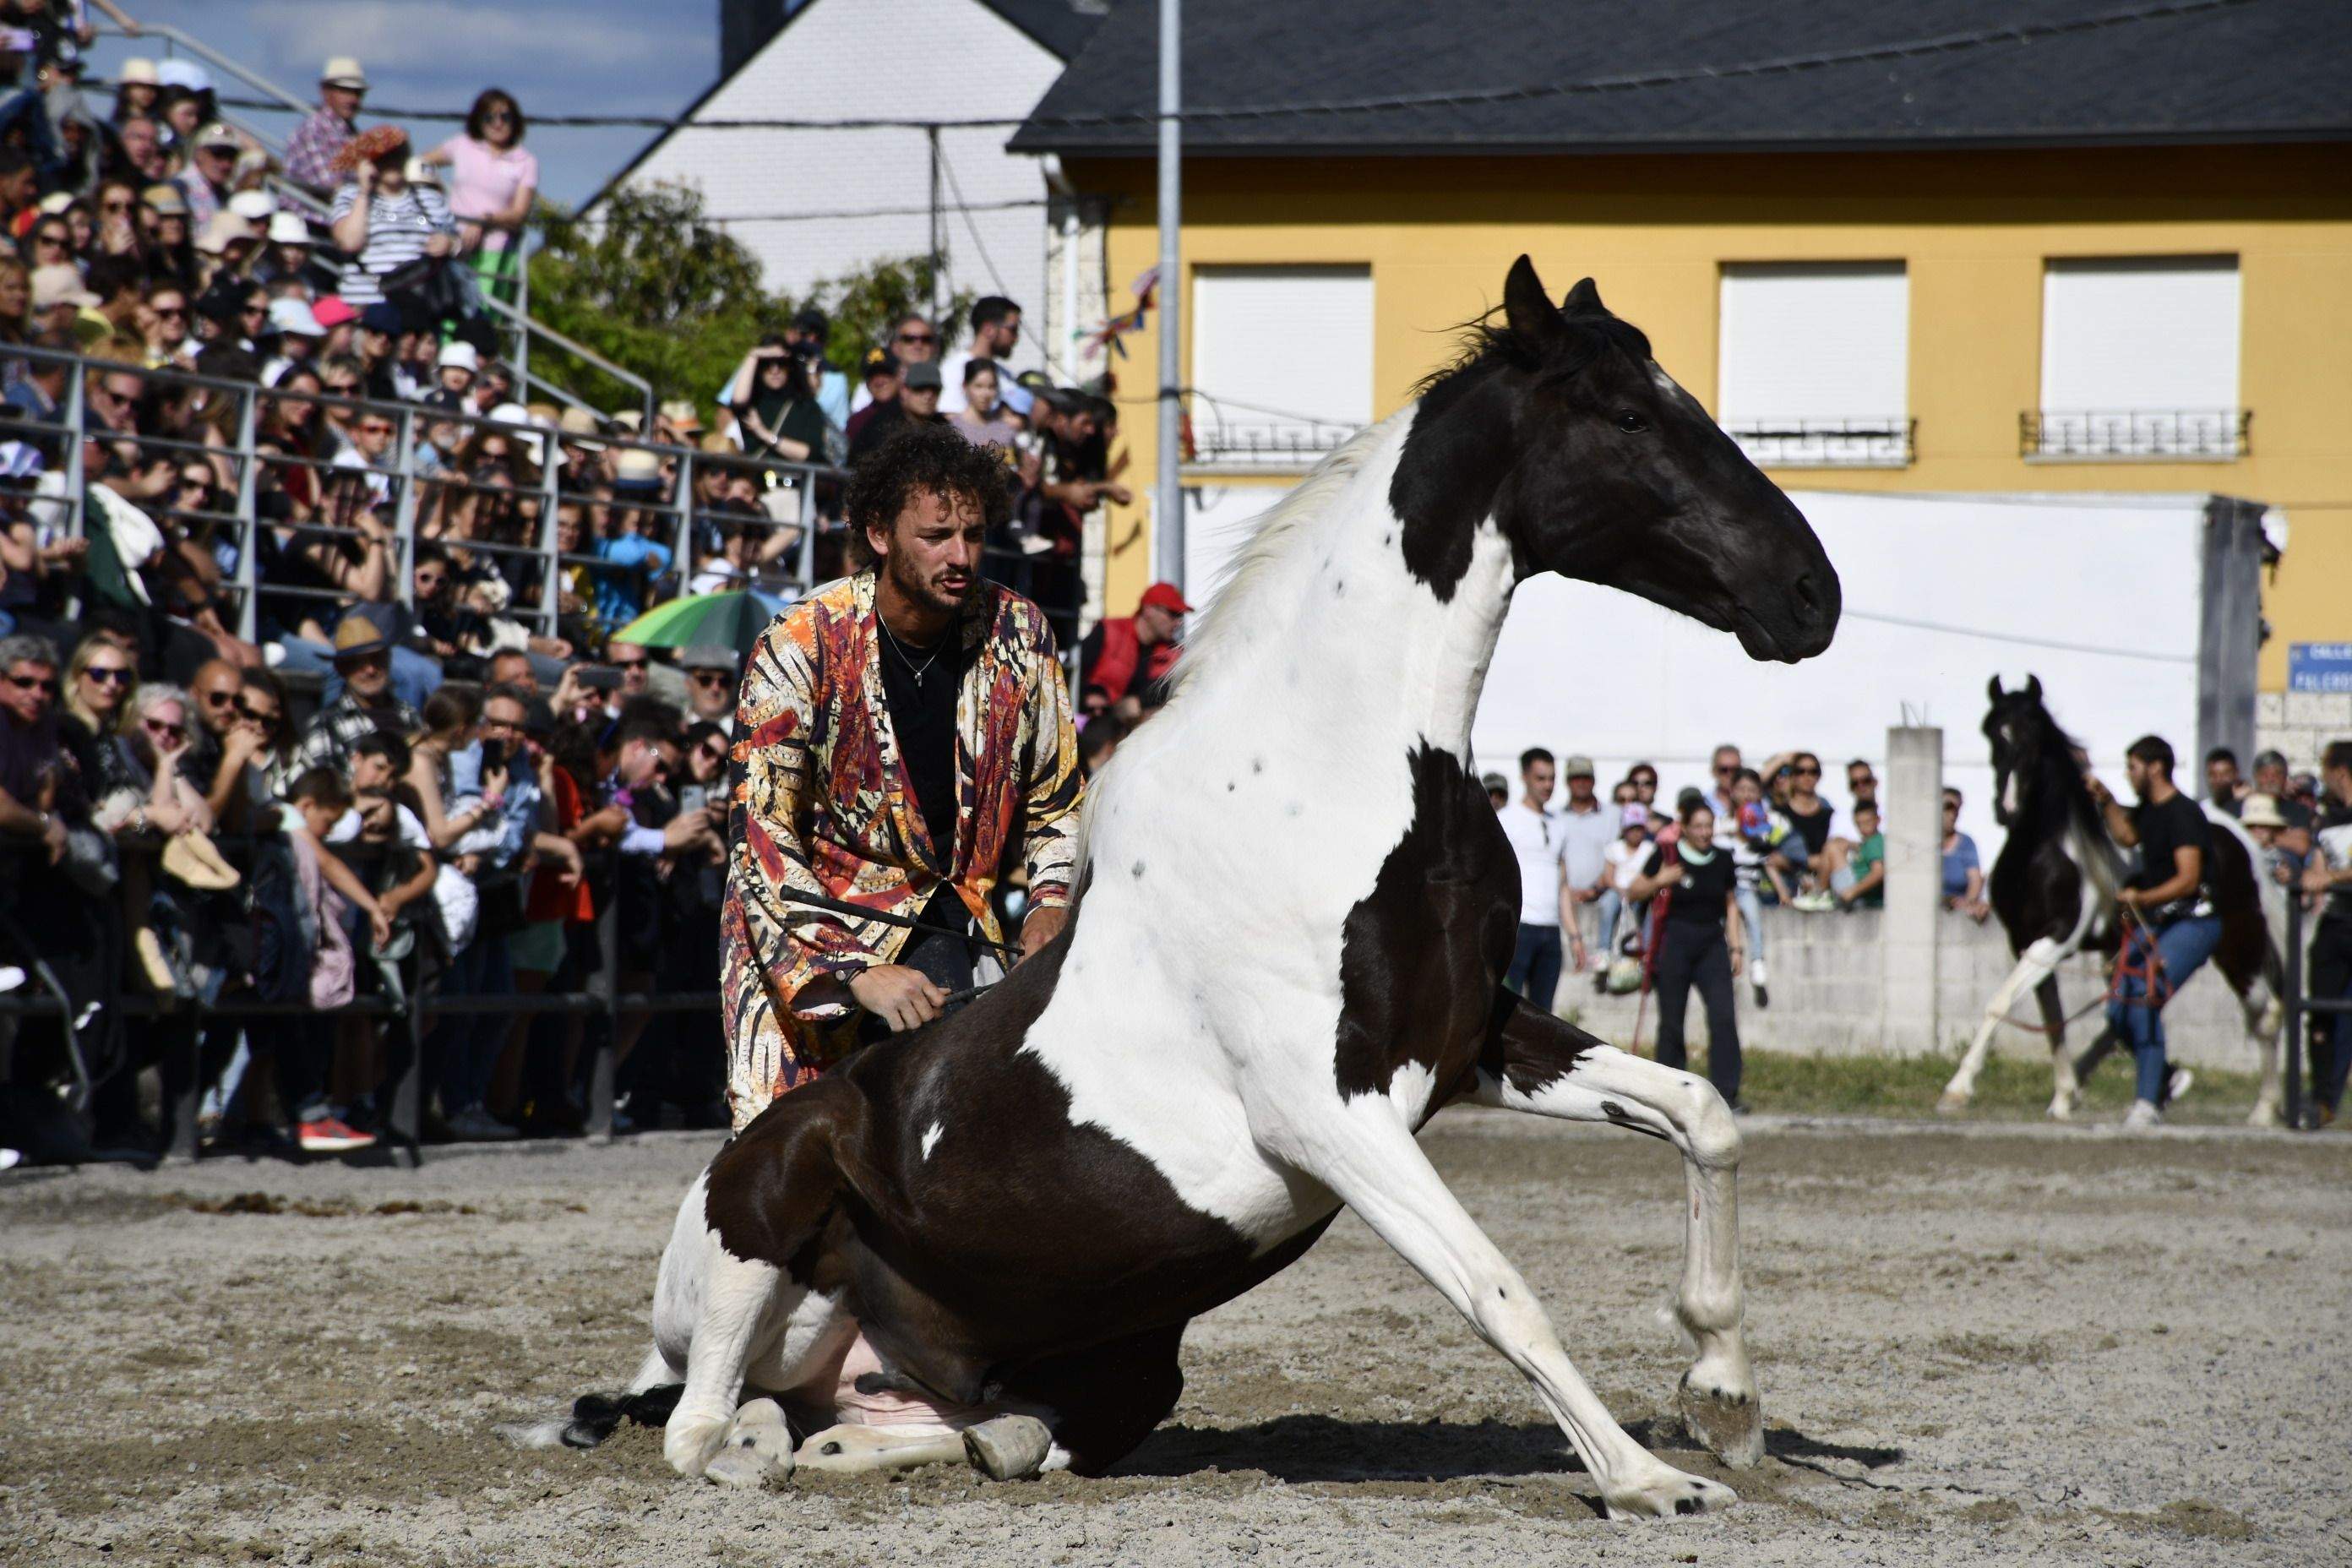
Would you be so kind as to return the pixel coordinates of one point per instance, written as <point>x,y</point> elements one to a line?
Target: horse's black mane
<point>1486,345</point>
<point>2053,792</point>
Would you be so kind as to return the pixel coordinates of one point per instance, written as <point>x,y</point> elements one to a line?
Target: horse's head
<point>1598,466</point>
<point>2022,733</point>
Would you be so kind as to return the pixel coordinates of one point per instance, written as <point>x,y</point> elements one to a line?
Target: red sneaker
<point>329,1136</point>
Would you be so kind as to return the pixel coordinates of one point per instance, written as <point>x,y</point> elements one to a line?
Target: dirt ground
<point>1976,1345</point>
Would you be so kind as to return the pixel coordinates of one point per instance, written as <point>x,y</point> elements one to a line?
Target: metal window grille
<point>1829,443</point>
<point>2174,433</point>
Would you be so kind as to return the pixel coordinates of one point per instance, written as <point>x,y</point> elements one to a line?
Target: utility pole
<point>938,238</point>
<point>1168,520</point>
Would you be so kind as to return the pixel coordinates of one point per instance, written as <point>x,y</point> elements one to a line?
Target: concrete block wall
<point>2301,724</point>
<point>1827,991</point>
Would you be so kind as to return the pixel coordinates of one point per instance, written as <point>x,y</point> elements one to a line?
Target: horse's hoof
<point>2062,1109</point>
<point>1952,1103</point>
<point>1727,1423</point>
<point>691,1442</point>
<point>758,1448</point>
<point>1661,1491</point>
<point>1008,1447</point>
<point>2266,1115</point>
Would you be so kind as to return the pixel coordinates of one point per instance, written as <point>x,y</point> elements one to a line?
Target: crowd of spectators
<point>420,752</point>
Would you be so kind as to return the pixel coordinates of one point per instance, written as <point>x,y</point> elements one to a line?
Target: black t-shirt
<point>1814,830</point>
<point>919,687</point>
<point>1697,900</point>
<point>2165,829</point>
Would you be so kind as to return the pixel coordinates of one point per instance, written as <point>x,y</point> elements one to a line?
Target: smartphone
<point>597,678</point>
<point>494,756</point>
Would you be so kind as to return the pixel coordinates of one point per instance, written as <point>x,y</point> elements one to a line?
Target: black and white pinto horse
<point>2053,886</point>
<point>1264,989</point>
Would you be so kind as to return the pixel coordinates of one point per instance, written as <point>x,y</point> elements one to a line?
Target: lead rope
<point>2157,988</point>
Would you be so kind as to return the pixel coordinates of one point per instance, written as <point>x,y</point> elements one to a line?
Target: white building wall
<point>865,59</point>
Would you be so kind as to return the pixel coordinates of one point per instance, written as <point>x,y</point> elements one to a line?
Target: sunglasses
<point>1806,773</point>
<point>630,663</point>
<point>708,677</point>
<point>216,698</point>
<point>31,683</point>
<point>267,718</point>
<point>498,117</point>
<point>156,727</point>
<point>57,239</point>
<point>113,677</point>
<point>204,485</point>
<point>116,207</point>
<point>1724,768</point>
<point>918,337</point>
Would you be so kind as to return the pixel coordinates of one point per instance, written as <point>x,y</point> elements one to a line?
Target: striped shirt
<point>398,227</point>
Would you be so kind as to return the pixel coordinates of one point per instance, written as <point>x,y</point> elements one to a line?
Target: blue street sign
<point>2319,667</point>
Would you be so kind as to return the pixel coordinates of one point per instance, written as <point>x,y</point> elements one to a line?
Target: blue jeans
<point>2183,946</point>
<point>1751,910</point>
<point>1535,965</point>
<point>471,1042</point>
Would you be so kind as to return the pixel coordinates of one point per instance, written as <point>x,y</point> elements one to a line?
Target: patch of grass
<point>2007,1090</point>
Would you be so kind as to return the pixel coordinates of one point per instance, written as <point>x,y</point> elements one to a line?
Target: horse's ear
<point>1584,300</point>
<point>1529,313</point>
<point>1992,689</point>
<point>2033,687</point>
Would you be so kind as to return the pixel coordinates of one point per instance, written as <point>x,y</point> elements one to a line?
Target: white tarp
<point>2099,595</point>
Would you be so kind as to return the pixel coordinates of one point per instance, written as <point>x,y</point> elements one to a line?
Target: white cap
<point>292,315</point>
<point>459,352</point>
<point>138,67</point>
<point>184,73</point>
<point>508,413</point>
<point>342,70</point>
<point>255,207</point>
<point>289,228</point>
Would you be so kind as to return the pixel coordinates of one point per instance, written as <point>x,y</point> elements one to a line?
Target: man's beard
<point>911,585</point>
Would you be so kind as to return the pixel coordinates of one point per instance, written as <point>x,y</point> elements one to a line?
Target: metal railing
<point>526,511</point>
<point>2104,434</point>
<point>2299,1007</point>
<point>1828,443</point>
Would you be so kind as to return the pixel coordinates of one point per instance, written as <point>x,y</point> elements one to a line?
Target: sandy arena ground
<point>1986,1345</point>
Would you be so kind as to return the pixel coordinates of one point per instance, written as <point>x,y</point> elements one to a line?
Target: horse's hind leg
<point>2038,962</point>
<point>1363,1150</point>
<point>1553,1068</point>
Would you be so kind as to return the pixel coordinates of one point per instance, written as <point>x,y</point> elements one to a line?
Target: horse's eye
<point>1631,423</point>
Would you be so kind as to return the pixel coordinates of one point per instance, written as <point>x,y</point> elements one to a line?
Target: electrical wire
<point>2012,34</point>
<point>956,190</point>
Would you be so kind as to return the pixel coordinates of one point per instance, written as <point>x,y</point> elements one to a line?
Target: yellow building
<point>2001,267</point>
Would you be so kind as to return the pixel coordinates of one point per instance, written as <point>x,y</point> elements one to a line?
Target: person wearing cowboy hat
<point>311,151</point>
<point>678,424</point>
<point>363,661</point>
<point>209,179</point>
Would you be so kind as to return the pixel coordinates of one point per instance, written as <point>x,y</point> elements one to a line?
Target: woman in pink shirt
<point>491,183</point>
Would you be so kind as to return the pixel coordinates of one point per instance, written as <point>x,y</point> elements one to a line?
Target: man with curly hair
<point>902,735</point>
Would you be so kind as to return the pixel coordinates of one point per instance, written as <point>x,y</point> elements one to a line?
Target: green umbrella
<point>732,620</point>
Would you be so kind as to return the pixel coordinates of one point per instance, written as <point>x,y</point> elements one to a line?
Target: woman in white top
<point>983,420</point>
<point>382,220</point>
<point>492,183</point>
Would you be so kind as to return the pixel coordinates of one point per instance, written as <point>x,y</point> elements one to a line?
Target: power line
<point>956,190</point>
<point>599,219</point>
<point>1911,48</point>
<point>1980,632</point>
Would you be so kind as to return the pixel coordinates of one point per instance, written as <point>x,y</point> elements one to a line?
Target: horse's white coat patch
<point>933,1137</point>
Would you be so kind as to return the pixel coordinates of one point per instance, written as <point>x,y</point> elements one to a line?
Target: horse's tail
<point>2268,894</point>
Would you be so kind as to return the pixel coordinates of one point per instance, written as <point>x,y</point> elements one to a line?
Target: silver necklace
<point>914,670</point>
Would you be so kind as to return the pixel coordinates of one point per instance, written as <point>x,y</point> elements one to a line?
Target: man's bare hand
<point>1040,927</point>
<point>903,999</point>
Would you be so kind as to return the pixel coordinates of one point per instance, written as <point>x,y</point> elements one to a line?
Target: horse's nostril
<point>1809,595</point>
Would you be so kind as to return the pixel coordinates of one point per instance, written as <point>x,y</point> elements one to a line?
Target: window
<point>1282,359</point>
<point>1815,362</point>
<point>2140,359</point>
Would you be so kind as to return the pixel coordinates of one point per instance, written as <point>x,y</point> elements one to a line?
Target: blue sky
<point>572,57</point>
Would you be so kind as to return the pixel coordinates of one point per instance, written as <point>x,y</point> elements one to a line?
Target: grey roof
<point>1932,73</point>
<point>1061,27</point>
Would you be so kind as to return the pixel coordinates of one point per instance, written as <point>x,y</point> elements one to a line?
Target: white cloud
<point>438,38</point>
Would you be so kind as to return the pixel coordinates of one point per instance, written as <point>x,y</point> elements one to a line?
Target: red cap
<point>1167,596</point>
<point>333,310</point>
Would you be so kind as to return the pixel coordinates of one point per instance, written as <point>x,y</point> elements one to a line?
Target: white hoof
<point>690,1441</point>
<point>1953,1102</point>
<point>2063,1107</point>
<point>1728,1420</point>
<point>1661,1491</point>
<point>2267,1114</point>
<point>1008,1447</point>
<point>757,1450</point>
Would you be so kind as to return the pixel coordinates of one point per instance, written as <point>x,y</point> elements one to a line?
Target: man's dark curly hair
<point>925,457</point>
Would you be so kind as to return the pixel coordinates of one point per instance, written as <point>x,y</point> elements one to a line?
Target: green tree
<point>646,281</point>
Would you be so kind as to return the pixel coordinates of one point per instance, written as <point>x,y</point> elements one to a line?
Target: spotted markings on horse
<point>1001,1222</point>
<point>2053,888</point>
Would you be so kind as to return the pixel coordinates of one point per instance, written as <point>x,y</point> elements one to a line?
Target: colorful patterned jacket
<point>821,804</point>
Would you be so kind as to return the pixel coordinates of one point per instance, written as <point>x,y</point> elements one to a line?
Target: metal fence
<point>2301,1005</point>
<point>390,476</point>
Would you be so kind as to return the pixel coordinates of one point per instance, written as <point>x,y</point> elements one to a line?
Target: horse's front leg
<point>2038,962</point>
<point>1553,1068</point>
<point>1363,1149</point>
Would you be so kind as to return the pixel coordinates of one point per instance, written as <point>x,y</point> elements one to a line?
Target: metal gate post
<point>606,990</point>
<point>2290,1035</point>
<point>248,571</point>
<point>405,1117</point>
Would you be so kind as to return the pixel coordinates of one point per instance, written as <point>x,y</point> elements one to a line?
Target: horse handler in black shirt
<point>2175,930</point>
<point>1701,943</point>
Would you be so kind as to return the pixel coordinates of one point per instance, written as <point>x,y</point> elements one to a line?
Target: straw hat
<point>343,70</point>
<point>139,69</point>
<point>2261,811</point>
